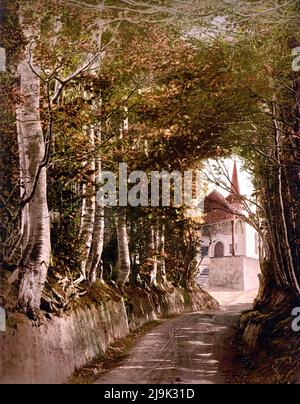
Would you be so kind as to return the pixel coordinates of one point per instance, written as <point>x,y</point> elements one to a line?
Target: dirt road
<point>193,348</point>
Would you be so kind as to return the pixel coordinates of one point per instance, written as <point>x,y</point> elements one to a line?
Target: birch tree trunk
<point>123,267</point>
<point>92,228</point>
<point>24,228</point>
<point>94,260</point>
<point>154,253</point>
<point>35,214</point>
<point>88,213</point>
<point>162,279</point>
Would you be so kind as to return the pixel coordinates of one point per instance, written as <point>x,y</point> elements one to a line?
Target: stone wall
<point>251,272</point>
<point>240,273</point>
<point>51,352</point>
<point>226,272</point>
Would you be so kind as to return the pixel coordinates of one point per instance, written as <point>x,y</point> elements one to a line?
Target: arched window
<point>219,250</point>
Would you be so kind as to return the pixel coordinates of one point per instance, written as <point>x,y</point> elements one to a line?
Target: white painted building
<point>229,250</point>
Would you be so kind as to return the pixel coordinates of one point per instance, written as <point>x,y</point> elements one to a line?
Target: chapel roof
<point>217,208</point>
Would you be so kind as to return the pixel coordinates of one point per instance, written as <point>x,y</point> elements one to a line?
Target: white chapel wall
<point>251,244</point>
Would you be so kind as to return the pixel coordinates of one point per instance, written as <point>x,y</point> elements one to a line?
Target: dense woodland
<point>159,85</point>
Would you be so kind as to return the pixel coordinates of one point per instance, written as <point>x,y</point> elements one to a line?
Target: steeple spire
<point>235,184</point>
<point>235,191</point>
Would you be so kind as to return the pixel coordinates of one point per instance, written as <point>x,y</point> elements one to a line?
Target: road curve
<point>194,348</point>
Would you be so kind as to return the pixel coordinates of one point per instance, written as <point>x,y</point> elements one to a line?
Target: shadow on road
<point>196,348</point>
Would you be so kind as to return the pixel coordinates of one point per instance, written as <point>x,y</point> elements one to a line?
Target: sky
<point>244,178</point>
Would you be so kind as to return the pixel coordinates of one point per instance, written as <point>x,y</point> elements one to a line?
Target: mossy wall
<point>51,352</point>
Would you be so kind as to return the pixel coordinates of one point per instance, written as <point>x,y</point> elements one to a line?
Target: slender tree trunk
<point>88,213</point>
<point>94,260</point>
<point>134,276</point>
<point>94,264</point>
<point>283,192</point>
<point>162,273</point>
<point>154,253</point>
<point>123,267</point>
<point>284,222</point>
<point>35,215</point>
<point>24,228</point>
<point>92,219</point>
<point>274,238</point>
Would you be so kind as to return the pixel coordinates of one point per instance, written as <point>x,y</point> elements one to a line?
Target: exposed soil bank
<point>52,352</point>
<point>269,348</point>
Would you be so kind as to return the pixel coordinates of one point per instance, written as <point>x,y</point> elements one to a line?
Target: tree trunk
<point>123,267</point>
<point>94,260</point>
<point>97,225</point>
<point>285,225</point>
<point>154,253</point>
<point>162,277</point>
<point>88,213</point>
<point>24,228</point>
<point>35,226</point>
